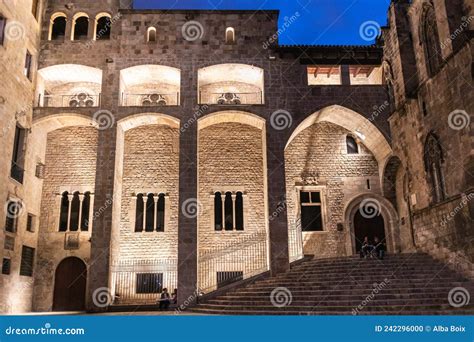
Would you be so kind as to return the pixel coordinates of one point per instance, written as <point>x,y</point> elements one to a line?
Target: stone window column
<point>223,210</point>
<point>155,207</point>
<point>233,211</point>
<point>81,199</point>
<point>144,198</point>
<point>69,201</point>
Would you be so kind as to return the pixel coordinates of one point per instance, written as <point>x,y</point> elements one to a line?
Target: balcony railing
<point>230,98</point>
<point>150,99</point>
<point>70,101</point>
<point>141,281</point>
<point>17,172</point>
<point>241,259</point>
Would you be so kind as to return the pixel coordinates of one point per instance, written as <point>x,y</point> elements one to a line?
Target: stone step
<point>209,311</point>
<point>331,308</point>
<point>417,284</point>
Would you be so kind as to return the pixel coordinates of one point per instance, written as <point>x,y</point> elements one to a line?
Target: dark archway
<point>368,226</point>
<point>70,285</point>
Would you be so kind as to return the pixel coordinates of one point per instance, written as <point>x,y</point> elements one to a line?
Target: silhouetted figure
<point>174,296</point>
<point>366,249</point>
<point>164,300</point>
<point>379,248</point>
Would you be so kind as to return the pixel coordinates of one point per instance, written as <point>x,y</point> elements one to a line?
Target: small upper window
<point>230,35</point>
<point>102,27</point>
<point>34,8</point>
<point>3,23</point>
<point>28,64</point>
<point>352,147</point>
<point>57,29</point>
<point>80,27</point>
<point>151,35</point>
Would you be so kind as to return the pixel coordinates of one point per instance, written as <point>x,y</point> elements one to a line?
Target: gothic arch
<point>429,38</point>
<point>386,210</point>
<point>354,122</point>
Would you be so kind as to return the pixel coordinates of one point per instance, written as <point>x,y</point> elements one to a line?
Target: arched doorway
<point>70,285</point>
<point>371,215</point>
<point>368,226</point>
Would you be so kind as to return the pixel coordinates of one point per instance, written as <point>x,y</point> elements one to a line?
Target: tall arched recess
<point>322,175</point>
<point>232,193</point>
<point>145,208</point>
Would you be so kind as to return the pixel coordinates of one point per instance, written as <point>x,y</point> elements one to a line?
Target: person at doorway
<point>379,248</point>
<point>164,300</point>
<point>366,249</point>
<point>174,296</point>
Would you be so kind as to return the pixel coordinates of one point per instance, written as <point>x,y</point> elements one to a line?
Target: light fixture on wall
<point>360,135</point>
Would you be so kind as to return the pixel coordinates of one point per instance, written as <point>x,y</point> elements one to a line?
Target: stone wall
<point>16,96</point>
<point>231,159</point>
<point>320,151</point>
<point>151,163</point>
<point>70,166</point>
<point>442,104</point>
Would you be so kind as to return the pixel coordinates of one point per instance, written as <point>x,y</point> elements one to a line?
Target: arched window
<point>103,25</point>
<point>239,211</point>
<point>433,158</point>
<point>430,40</point>
<point>218,211</point>
<point>64,212</point>
<point>86,204</point>
<point>57,29</point>
<point>80,27</point>
<point>150,214</point>
<point>229,35</point>
<point>74,216</point>
<point>160,213</point>
<point>139,213</point>
<point>151,35</point>
<point>351,144</point>
<point>228,211</point>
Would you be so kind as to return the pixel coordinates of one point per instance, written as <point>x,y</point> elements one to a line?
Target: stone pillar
<point>278,225</point>
<point>99,264</point>
<point>187,217</point>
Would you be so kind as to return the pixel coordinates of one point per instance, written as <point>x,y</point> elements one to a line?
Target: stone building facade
<point>189,150</point>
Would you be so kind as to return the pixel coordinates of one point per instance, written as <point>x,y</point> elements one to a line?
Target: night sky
<point>320,21</point>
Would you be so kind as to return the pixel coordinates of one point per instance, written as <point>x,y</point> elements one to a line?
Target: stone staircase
<point>402,284</point>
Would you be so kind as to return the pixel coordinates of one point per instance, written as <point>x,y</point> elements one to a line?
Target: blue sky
<point>321,21</point>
